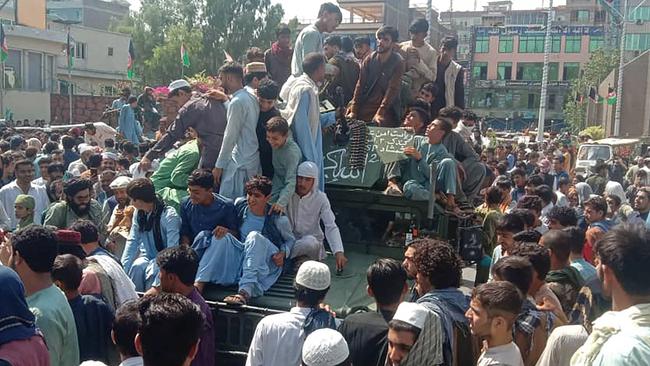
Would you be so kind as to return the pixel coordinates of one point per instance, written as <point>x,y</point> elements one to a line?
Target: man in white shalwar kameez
<point>307,207</point>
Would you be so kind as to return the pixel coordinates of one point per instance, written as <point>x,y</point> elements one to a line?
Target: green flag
<point>4,49</point>
<point>185,57</point>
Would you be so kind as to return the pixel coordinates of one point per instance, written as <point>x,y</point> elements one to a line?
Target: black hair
<point>537,255</point>
<point>201,178</point>
<point>518,171</point>
<point>333,41</point>
<point>439,262</point>
<point>545,193</point>
<point>143,147</point>
<point>445,124</point>
<point>386,278</point>
<point>362,40</point>
<point>511,223</point>
<point>346,44</point>
<point>312,62</point>
<point>566,216</point>
<point>125,327</point>
<point>268,89</point>
<point>279,125</point>
<point>129,148</point>
<point>564,181</point>
<point>449,43</point>
<point>50,146</point>
<point>422,108</point>
<point>68,142</point>
<point>503,182</point>
<point>527,236</point>
<point>132,99</point>
<point>181,261</point>
<point>330,8</point>
<point>615,198</point>
<point>430,87</point>
<point>90,126</point>
<point>109,143</point>
<point>499,298</point>
<point>597,204</point>
<point>23,162</point>
<point>470,115</point>
<point>45,160</point>
<point>529,202</point>
<point>308,296</point>
<point>249,76</point>
<point>232,68</point>
<point>55,167</point>
<point>282,29</point>
<point>535,180</point>
<point>577,241</point>
<point>516,270</point>
<point>493,196</point>
<point>37,246</point>
<point>171,326</point>
<point>626,251</point>
<point>402,326</point>
<point>419,26</point>
<point>67,269</point>
<point>76,185</point>
<point>453,113</point>
<point>387,30</point>
<point>87,229</point>
<point>141,189</point>
<point>94,161</point>
<point>558,242</point>
<point>259,183</point>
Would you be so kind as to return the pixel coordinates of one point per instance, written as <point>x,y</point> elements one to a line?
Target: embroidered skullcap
<point>314,275</point>
<point>324,347</point>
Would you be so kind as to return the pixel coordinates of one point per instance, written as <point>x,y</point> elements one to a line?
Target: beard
<point>79,210</point>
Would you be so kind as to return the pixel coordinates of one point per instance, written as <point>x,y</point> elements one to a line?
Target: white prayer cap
<point>34,142</point>
<point>308,169</point>
<point>109,155</point>
<point>177,84</point>
<point>120,182</point>
<point>85,147</point>
<point>411,313</point>
<point>324,347</point>
<point>314,275</point>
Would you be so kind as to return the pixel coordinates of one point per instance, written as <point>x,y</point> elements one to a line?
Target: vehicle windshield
<point>594,152</point>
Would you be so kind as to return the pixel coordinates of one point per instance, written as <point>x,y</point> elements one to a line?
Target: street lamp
<point>67,23</point>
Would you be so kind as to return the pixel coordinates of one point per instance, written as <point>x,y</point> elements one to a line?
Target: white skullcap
<point>92,363</point>
<point>308,169</point>
<point>177,84</point>
<point>109,155</point>
<point>314,275</point>
<point>85,147</point>
<point>120,182</point>
<point>411,313</point>
<point>324,347</point>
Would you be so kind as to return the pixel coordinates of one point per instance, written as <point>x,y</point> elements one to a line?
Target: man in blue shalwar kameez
<point>128,126</point>
<point>156,226</point>
<point>255,262</point>
<point>302,111</point>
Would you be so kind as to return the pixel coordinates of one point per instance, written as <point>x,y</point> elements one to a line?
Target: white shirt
<point>506,355</point>
<point>562,201</point>
<point>133,361</point>
<point>40,182</point>
<point>278,339</point>
<point>306,213</point>
<point>77,167</point>
<point>103,132</point>
<point>8,196</point>
<point>562,344</point>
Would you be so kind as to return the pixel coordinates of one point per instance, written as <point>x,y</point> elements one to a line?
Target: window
<point>108,90</point>
<point>529,71</point>
<point>596,42</point>
<point>531,44</point>
<point>553,68</point>
<point>600,16</point>
<point>110,51</point>
<point>479,71</point>
<point>505,44</point>
<point>556,43</point>
<point>34,71</point>
<point>80,50</point>
<point>642,13</point>
<point>504,71</point>
<point>573,44</point>
<point>13,70</point>
<point>49,74</point>
<point>551,101</point>
<point>531,101</point>
<point>583,15</point>
<point>482,44</point>
<point>570,71</point>
<point>637,42</point>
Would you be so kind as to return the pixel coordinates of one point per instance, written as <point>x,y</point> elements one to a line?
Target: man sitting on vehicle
<point>255,262</point>
<point>307,207</point>
<point>417,167</point>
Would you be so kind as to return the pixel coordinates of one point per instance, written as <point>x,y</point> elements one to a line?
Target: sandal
<point>239,299</point>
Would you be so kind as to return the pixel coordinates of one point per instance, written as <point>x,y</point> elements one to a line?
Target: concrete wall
<point>30,105</point>
<point>31,13</point>
<point>84,108</point>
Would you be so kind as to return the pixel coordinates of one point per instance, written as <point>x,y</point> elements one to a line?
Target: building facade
<point>98,14</point>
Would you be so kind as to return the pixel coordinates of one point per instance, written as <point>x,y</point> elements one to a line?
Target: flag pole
<point>2,92</point>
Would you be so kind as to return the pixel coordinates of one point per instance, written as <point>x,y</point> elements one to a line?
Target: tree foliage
<point>206,28</point>
<point>601,63</point>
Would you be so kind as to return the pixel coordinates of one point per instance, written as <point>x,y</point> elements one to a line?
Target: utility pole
<point>621,65</point>
<point>429,15</point>
<point>543,97</point>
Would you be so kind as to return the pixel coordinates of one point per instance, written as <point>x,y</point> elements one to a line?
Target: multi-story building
<point>98,14</point>
<point>506,70</point>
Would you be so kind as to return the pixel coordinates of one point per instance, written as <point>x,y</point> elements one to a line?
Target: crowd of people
<point>232,193</point>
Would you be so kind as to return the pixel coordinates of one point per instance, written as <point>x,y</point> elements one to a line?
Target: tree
<point>165,64</point>
<point>601,63</point>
